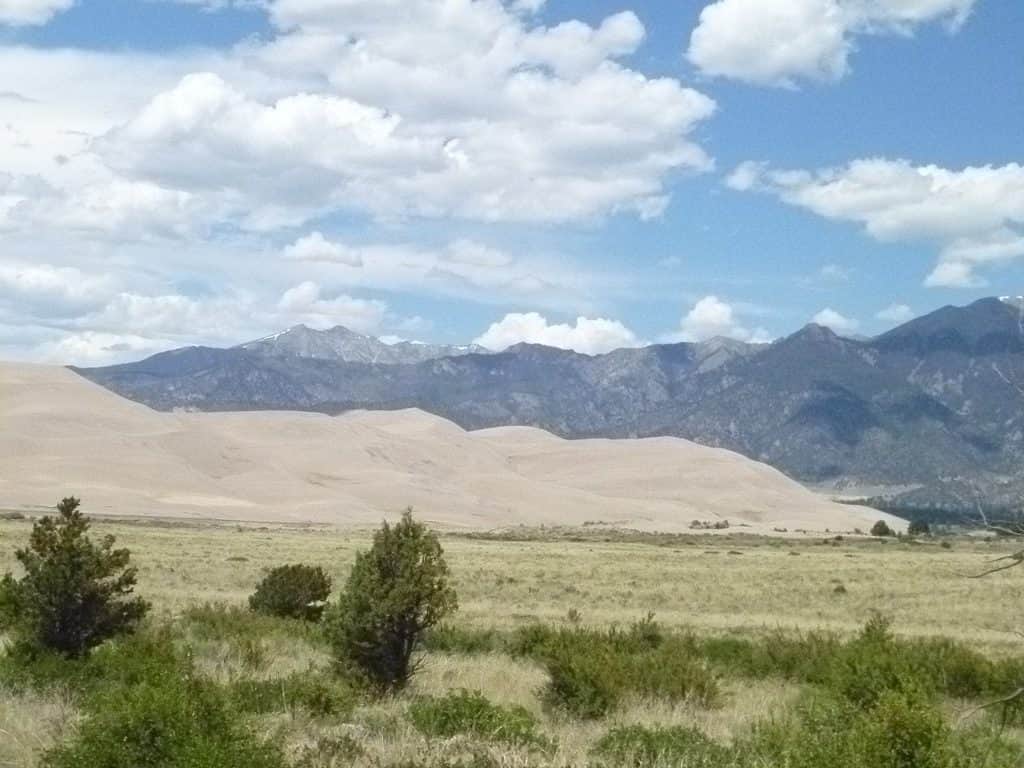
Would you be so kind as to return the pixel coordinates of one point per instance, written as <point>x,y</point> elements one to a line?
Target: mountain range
<point>928,414</point>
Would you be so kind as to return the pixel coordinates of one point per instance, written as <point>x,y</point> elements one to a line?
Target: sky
<point>581,173</point>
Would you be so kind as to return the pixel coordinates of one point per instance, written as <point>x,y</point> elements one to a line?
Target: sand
<point>61,435</point>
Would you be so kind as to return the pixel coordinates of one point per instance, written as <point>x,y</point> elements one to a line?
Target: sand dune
<point>60,435</point>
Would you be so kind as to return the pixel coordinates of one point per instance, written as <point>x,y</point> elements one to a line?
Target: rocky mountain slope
<point>929,413</point>
<point>340,343</point>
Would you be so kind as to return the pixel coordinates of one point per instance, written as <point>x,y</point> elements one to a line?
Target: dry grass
<point>716,583</point>
<point>30,723</point>
<point>711,584</point>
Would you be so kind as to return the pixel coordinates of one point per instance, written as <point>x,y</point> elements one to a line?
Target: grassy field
<point>707,585</point>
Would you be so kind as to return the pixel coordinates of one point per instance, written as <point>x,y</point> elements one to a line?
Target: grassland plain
<point>710,585</point>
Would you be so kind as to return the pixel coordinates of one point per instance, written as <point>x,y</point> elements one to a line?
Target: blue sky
<point>586,174</point>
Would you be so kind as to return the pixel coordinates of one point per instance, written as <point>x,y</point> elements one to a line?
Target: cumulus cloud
<point>315,247</point>
<point>589,336</point>
<point>30,13</point>
<point>711,317</point>
<point>841,324</point>
<point>43,289</point>
<point>467,110</point>
<point>896,313</point>
<point>780,42</point>
<point>306,304</point>
<point>975,215</point>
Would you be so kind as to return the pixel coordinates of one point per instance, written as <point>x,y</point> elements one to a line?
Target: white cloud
<point>420,108</point>
<point>43,289</point>
<point>779,42</point>
<point>588,336</point>
<point>315,247</point>
<point>841,324</point>
<point>187,177</point>
<point>711,317</point>
<point>306,304</point>
<point>90,348</point>
<point>28,13</point>
<point>975,215</point>
<point>896,313</point>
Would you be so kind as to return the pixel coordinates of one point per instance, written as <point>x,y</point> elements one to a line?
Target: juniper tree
<point>396,591</point>
<point>75,593</point>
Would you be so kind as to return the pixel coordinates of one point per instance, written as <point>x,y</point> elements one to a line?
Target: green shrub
<point>293,592</point>
<point>174,721</point>
<point>448,638</point>
<point>586,684</point>
<point>881,528</point>
<point>639,746</point>
<point>125,661</point>
<point>590,672</point>
<point>309,691</point>
<point>470,713</point>
<point>75,594</point>
<point>530,640</point>
<point>670,672</point>
<point>919,528</point>
<point>903,729</point>
<point>396,591</point>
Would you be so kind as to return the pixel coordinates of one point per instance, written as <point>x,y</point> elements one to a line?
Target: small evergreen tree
<point>396,591</point>
<point>881,528</point>
<point>75,593</point>
<point>292,592</point>
<point>919,528</point>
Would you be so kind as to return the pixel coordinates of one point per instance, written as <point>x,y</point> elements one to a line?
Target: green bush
<point>639,746</point>
<point>396,591</point>
<point>125,661</point>
<point>75,594</point>
<point>902,730</point>
<point>174,721</point>
<point>448,638</point>
<point>308,691</point>
<point>293,592</point>
<point>590,672</point>
<point>919,528</point>
<point>881,528</point>
<point>470,713</point>
<point>587,685</point>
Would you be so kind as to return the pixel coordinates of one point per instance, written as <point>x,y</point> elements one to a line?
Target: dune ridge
<point>61,434</point>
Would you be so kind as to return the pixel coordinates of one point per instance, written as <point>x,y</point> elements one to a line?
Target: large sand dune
<point>62,435</point>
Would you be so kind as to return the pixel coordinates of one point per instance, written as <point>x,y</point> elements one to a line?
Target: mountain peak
<point>988,325</point>
<point>814,332</point>
<point>345,345</point>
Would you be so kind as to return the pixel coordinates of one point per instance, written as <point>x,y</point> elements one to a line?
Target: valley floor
<point>708,585</point>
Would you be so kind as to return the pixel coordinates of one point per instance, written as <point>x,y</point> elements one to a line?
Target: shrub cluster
<point>470,713</point>
<point>292,592</point>
<point>310,692</point>
<point>175,721</point>
<point>881,528</point>
<point>903,729</point>
<point>591,672</point>
<point>637,745</point>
